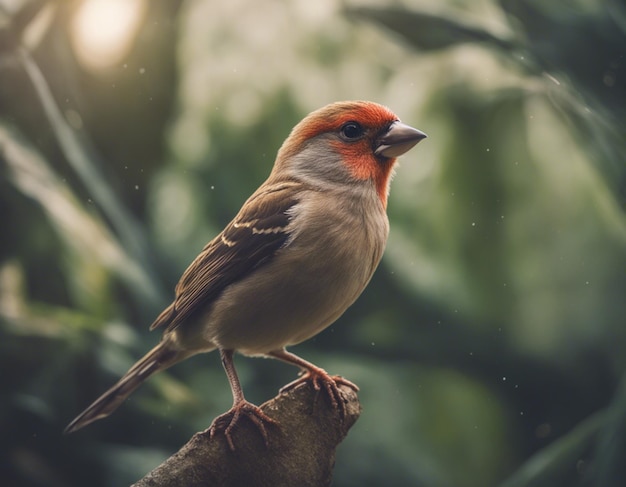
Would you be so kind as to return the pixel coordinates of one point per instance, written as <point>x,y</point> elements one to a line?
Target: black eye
<point>351,130</point>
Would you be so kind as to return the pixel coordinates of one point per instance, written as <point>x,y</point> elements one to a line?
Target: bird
<point>299,252</point>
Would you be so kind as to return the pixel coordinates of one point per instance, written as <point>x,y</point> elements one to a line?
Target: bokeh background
<point>490,347</point>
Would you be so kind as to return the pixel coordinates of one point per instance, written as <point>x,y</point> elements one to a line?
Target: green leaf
<point>552,465</point>
<point>427,31</point>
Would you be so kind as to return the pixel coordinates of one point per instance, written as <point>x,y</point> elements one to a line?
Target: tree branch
<point>301,450</point>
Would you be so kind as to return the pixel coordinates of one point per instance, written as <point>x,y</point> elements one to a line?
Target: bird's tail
<point>159,358</point>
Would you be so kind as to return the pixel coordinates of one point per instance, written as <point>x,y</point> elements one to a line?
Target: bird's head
<point>353,142</point>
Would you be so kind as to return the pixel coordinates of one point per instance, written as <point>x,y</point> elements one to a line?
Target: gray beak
<point>397,140</point>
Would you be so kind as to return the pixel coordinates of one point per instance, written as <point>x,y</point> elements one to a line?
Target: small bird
<point>296,256</point>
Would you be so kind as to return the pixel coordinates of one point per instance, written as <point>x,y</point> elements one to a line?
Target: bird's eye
<point>351,130</point>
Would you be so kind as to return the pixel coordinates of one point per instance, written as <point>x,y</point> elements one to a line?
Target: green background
<point>490,344</point>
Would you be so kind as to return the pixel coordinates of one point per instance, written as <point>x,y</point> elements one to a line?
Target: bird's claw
<point>320,379</point>
<point>227,422</point>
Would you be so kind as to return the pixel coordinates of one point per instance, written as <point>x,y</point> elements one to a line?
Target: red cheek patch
<point>358,158</point>
<point>363,165</point>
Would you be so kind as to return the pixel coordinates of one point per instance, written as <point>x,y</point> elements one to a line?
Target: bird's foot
<point>227,421</point>
<point>320,379</point>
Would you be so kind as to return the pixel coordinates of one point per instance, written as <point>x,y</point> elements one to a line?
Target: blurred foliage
<point>489,347</point>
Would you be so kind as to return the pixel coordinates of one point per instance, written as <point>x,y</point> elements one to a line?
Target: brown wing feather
<point>249,241</point>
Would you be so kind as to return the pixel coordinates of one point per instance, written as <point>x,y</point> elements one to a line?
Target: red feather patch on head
<point>333,116</point>
<point>363,165</point>
<point>358,155</point>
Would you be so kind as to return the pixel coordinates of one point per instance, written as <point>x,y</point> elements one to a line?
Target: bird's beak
<point>398,140</point>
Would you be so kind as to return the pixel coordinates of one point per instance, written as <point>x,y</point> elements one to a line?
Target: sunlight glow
<point>103,31</point>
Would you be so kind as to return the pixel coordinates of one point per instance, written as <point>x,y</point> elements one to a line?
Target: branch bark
<point>301,450</point>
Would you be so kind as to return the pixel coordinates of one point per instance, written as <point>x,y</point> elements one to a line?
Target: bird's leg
<point>318,377</point>
<point>241,407</point>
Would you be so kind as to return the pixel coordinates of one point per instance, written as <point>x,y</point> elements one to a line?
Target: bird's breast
<point>323,268</point>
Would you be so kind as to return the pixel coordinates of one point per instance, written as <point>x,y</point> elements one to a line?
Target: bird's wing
<point>248,242</point>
